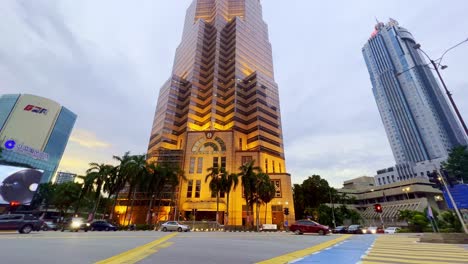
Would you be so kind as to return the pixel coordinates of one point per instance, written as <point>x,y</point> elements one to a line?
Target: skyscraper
<point>419,122</point>
<point>221,108</point>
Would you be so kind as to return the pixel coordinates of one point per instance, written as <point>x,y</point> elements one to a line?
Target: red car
<point>308,226</point>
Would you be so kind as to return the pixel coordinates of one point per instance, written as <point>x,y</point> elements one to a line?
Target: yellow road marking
<point>422,252</point>
<point>304,252</point>
<point>139,253</point>
<point>445,257</point>
<point>22,236</point>
<point>402,260</point>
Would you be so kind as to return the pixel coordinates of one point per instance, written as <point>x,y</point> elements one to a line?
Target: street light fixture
<point>436,67</point>
<point>406,190</point>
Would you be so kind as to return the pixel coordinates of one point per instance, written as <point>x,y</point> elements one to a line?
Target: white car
<point>391,230</point>
<point>174,226</point>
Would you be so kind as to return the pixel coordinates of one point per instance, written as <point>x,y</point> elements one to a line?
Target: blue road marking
<point>348,251</point>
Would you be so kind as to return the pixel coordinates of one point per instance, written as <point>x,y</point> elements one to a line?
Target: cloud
<point>87,139</point>
<point>338,156</point>
<point>108,71</point>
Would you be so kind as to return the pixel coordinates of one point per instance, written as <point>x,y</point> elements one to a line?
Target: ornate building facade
<point>221,108</point>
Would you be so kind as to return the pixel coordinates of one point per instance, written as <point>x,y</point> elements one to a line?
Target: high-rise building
<point>417,117</point>
<point>221,108</point>
<point>34,132</point>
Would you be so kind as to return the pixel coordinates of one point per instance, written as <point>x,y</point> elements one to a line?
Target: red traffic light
<point>14,203</point>
<point>377,208</point>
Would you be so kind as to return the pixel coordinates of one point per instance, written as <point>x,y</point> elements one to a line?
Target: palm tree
<point>266,192</point>
<point>118,178</point>
<point>215,184</point>
<point>154,182</point>
<point>97,175</point>
<point>136,173</point>
<point>229,181</point>
<point>85,189</point>
<point>248,176</point>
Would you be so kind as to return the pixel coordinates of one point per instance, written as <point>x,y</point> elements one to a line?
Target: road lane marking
<point>24,236</point>
<point>409,250</point>
<point>136,254</point>
<point>286,258</point>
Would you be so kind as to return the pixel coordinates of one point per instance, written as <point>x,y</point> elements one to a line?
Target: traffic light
<point>286,211</point>
<point>378,208</point>
<point>435,180</point>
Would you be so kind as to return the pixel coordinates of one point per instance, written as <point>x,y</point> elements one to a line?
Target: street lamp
<point>436,67</point>
<point>406,190</point>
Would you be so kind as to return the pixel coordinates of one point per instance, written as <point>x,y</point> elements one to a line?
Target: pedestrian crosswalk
<point>408,249</point>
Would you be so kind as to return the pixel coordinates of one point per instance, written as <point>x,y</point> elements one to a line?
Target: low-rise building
<point>413,194</point>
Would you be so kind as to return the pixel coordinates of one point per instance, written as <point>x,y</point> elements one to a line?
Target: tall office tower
<point>221,108</point>
<point>419,122</point>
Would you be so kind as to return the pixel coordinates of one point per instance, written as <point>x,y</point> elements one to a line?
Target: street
<point>220,247</point>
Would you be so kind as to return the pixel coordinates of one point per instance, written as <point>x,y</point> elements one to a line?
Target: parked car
<point>101,225</point>
<point>392,230</point>
<point>356,229</point>
<point>340,230</point>
<point>75,224</point>
<point>174,226</point>
<point>308,226</point>
<point>49,225</point>
<point>23,223</point>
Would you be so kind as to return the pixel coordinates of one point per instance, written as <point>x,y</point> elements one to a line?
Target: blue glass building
<point>418,120</point>
<point>34,132</point>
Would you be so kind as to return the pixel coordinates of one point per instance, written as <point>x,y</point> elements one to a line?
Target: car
<point>75,224</point>
<point>23,223</point>
<point>101,225</point>
<point>49,225</point>
<point>391,230</point>
<point>375,230</point>
<point>340,230</point>
<point>356,229</point>
<point>174,226</point>
<point>308,226</point>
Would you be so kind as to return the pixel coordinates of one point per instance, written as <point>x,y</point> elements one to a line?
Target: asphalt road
<point>221,247</point>
<point>192,247</point>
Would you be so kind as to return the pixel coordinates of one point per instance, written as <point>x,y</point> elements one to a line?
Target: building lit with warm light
<point>220,108</point>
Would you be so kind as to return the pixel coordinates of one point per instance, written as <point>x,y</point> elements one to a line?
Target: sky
<point>106,60</point>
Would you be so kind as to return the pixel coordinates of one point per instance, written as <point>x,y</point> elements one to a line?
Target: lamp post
<point>436,67</point>
<point>333,208</point>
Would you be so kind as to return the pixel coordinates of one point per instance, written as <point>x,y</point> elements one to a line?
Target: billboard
<point>31,121</point>
<point>18,184</point>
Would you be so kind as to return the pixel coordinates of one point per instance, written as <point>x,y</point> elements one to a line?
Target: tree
<point>66,194</point>
<point>313,192</point>
<point>44,195</point>
<point>118,179</point>
<point>97,176</point>
<point>229,182</point>
<point>457,164</point>
<point>248,174</point>
<point>416,220</point>
<point>215,185</point>
<point>155,180</point>
<point>136,169</point>
<point>267,192</point>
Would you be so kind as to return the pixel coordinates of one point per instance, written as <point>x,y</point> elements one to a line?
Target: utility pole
<point>455,207</point>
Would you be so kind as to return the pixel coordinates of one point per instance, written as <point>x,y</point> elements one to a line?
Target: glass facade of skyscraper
<point>34,131</point>
<point>221,106</point>
<point>419,122</point>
